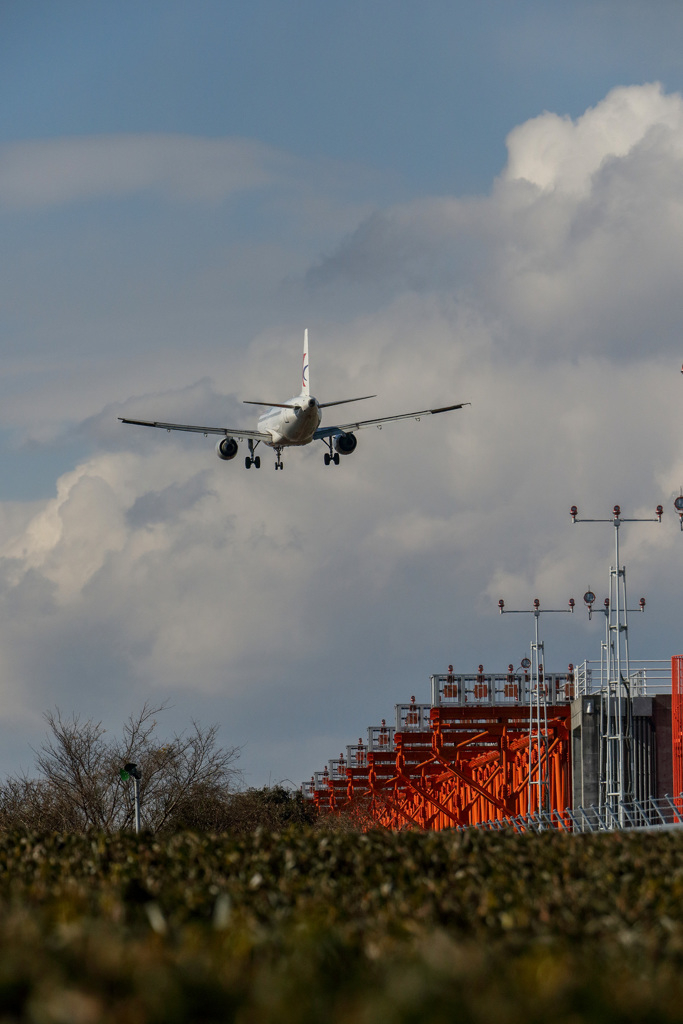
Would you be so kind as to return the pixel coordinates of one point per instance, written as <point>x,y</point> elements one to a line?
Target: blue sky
<point>424,93</point>
<point>467,202</point>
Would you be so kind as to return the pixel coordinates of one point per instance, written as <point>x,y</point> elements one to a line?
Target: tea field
<point>306,927</point>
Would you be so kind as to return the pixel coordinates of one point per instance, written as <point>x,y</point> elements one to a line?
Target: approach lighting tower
<point>616,776</point>
<point>538,703</point>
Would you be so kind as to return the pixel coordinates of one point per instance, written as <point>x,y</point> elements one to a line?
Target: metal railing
<point>497,688</point>
<point>646,677</point>
<point>357,755</point>
<point>381,737</point>
<point>660,813</point>
<point>413,717</point>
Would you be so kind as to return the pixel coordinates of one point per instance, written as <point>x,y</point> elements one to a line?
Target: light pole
<point>616,776</point>
<point>615,720</point>
<point>131,771</point>
<point>538,703</point>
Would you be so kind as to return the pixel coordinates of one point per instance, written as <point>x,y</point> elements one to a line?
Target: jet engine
<point>227,448</point>
<point>345,443</point>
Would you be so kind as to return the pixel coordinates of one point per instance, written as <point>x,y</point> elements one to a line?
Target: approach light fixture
<point>678,505</point>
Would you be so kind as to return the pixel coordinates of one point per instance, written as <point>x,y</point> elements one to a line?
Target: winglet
<point>304,376</point>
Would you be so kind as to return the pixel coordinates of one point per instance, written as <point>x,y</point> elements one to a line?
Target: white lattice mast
<point>616,775</point>
<point>538,704</point>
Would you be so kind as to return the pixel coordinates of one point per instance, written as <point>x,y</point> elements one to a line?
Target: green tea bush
<point>304,926</point>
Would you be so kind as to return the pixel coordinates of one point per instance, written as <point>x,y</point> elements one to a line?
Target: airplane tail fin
<point>304,377</point>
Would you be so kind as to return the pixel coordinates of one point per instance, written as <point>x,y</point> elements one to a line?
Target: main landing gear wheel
<point>332,456</point>
<point>251,459</point>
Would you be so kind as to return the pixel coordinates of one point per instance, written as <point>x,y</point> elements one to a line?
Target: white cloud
<point>44,173</point>
<point>556,153</point>
<point>576,251</point>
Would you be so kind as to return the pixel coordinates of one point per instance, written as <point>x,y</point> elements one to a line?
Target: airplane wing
<point>345,428</point>
<point>256,435</point>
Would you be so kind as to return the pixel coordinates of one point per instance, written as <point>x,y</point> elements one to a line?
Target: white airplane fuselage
<point>295,426</point>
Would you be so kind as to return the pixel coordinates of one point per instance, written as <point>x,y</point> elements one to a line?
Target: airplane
<point>293,424</point>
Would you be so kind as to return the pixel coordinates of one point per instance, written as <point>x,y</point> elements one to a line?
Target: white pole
<point>136,794</point>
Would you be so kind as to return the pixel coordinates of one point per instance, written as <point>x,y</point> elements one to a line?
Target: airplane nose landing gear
<point>278,458</point>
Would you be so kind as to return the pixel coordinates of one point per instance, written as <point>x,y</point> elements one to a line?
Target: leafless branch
<point>80,787</point>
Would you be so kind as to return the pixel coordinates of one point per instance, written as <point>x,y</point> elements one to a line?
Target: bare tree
<point>80,788</point>
<point>32,804</point>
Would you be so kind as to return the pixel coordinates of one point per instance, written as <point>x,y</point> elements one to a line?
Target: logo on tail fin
<point>304,376</point>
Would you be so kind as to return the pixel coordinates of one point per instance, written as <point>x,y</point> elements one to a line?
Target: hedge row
<point>307,927</point>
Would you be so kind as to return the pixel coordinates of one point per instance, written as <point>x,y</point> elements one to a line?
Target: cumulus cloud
<point>557,153</point>
<point>576,251</point>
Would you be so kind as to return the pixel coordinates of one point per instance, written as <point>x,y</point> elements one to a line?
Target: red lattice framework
<point>472,765</point>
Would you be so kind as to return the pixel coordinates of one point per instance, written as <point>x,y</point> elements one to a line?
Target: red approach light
<point>511,668</point>
<point>572,602</point>
<point>659,512</point>
<point>642,604</point>
<point>617,511</point>
<point>573,511</point>
<point>481,668</point>
<point>607,602</point>
<point>501,604</point>
<point>537,603</point>
<point>589,598</point>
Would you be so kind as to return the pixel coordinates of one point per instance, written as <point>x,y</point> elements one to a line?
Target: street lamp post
<point>131,771</point>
